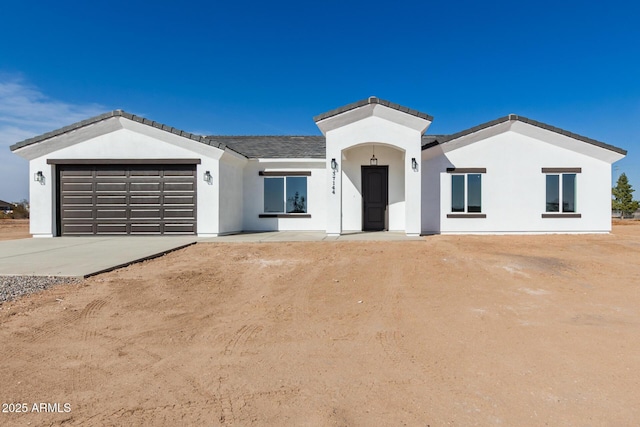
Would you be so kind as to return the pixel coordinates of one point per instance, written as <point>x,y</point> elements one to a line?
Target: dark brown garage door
<point>126,199</point>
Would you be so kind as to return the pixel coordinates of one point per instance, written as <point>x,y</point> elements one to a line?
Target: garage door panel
<point>79,213</point>
<point>146,172</point>
<point>111,200</point>
<point>81,228</point>
<point>155,214</point>
<point>78,186</point>
<point>145,186</point>
<point>179,213</point>
<point>182,228</point>
<point>71,200</point>
<point>146,228</point>
<point>178,200</point>
<point>187,186</point>
<point>144,200</point>
<point>110,172</point>
<point>112,228</point>
<point>111,214</point>
<point>111,187</point>
<point>127,199</point>
<point>76,173</point>
<point>177,171</point>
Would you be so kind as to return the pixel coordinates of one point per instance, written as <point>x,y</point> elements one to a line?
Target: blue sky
<point>250,67</point>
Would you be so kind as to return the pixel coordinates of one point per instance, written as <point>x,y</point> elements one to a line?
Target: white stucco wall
<point>42,215</point>
<point>230,204</point>
<point>253,195</point>
<point>514,187</point>
<point>123,140</point>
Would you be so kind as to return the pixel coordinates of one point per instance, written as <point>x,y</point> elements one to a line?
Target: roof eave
<point>106,116</point>
<point>514,117</point>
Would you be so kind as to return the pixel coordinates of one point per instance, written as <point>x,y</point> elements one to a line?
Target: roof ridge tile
<point>368,101</point>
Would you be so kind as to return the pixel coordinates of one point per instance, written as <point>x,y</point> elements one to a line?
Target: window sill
<point>467,215</point>
<point>284,215</point>
<point>561,215</point>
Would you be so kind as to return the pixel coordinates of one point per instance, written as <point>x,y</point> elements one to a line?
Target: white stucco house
<point>373,169</point>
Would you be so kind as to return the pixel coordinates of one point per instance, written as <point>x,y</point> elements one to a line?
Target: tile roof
<point>302,146</point>
<point>274,146</point>
<point>429,141</point>
<point>105,116</point>
<point>514,117</point>
<point>371,100</point>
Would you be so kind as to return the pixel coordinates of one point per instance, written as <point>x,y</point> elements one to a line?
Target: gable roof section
<point>270,147</point>
<point>247,146</point>
<point>514,117</point>
<point>303,146</point>
<point>105,116</point>
<point>371,100</point>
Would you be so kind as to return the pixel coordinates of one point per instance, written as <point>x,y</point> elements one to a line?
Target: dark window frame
<point>564,208</point>
<point>285,176</point>
<point>466,173</point>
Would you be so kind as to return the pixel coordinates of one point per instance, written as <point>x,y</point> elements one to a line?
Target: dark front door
<point>375,183</point>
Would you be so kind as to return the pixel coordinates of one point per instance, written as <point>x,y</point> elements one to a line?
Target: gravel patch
<point>12,287</point>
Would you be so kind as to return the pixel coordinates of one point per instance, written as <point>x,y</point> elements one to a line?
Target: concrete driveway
<point>82,256</point>
<point>87,256</point>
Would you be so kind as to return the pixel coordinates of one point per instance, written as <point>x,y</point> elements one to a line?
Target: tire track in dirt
<point>49,329</point>
<point>131,349</point>
<point>241,339</point>
<point>153,368</point>
<point>87,322</point>
<point>226,407</point>
<point>237,408</point>
<point>177,414</point>
<point>55,327</point>
<point>233,411</point>
<point>88,318</point>
<point>232,408</point>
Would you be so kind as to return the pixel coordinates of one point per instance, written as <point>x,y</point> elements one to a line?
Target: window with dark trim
<point>561,194</point>
<point>466,193</point>
<point>285,194</point>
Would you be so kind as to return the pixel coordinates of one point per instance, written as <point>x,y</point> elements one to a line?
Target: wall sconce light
<point>39,177</point>
<point>334,164</point>
<point>208,178</point>
<point>414,164</point>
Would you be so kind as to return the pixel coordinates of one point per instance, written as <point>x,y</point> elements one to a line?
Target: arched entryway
<point>351,133</point>
<point>373,188</point>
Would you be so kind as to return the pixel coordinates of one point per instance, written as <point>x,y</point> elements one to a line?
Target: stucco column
<point>42,222</point>
<point>208,214</point>
<point>413,191</point>
<point>334,192</point>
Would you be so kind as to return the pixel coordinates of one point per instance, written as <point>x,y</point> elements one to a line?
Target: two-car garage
<point>121,174</point>
<point>113,197</point>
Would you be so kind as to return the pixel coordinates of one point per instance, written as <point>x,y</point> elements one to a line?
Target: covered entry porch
<point>373,188</point>
<point>373,158</point>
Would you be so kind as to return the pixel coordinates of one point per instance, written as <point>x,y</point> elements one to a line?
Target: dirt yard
<point>451,330</point>
<point>11,229</point>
